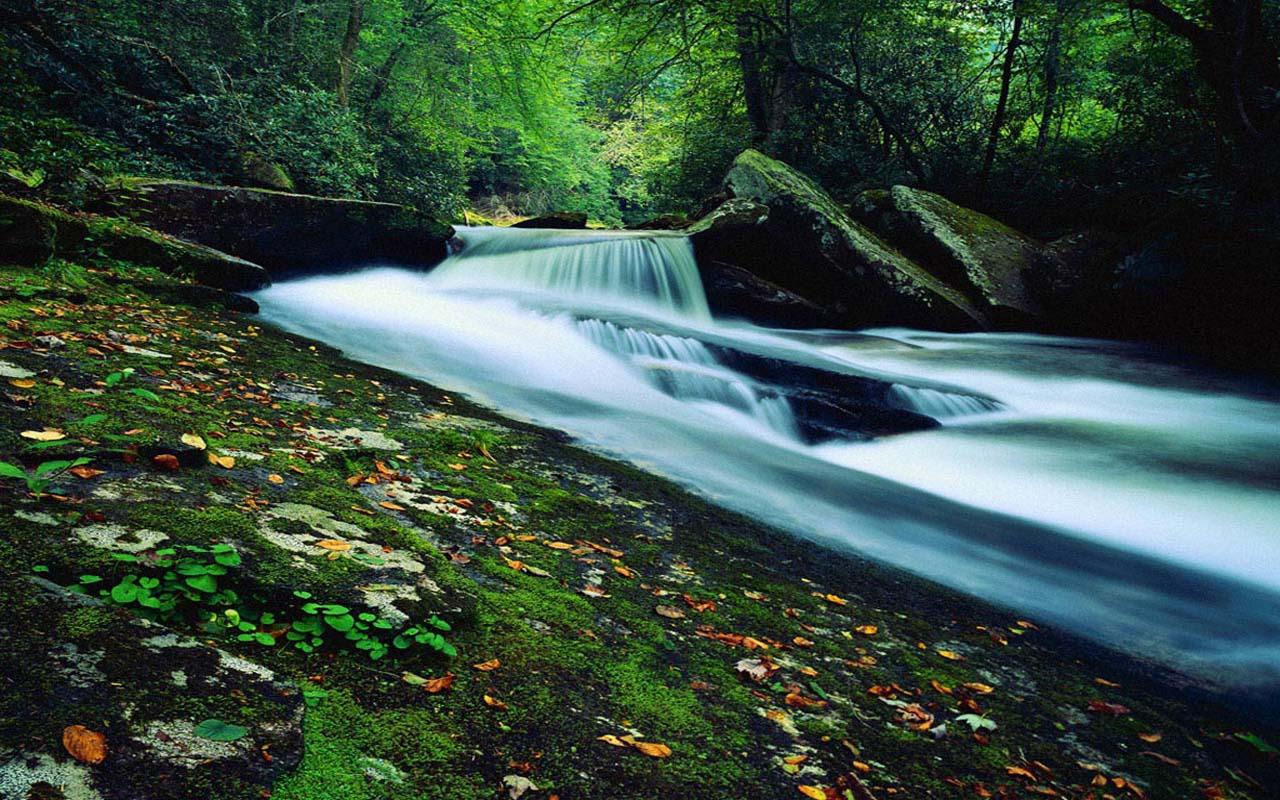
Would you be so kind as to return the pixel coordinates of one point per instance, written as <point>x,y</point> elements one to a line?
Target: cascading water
<point>1088,484</point>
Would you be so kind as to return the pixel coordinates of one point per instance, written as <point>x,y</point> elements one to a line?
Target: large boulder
<point>810,245</point>
<point>32,233</point>
<point>982,257</point>
<point>283,232</point>
<point>558,220</point>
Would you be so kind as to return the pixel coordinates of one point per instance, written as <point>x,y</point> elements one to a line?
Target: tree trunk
<point>1050,78</point>
<point>346,55</point>
<point>753,90</point>
<point>1002,104</point>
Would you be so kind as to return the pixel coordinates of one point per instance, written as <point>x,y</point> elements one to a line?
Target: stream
<point>1118,493</point>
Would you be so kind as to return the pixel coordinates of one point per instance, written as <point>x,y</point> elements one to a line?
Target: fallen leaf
<point>488,666</point>
<point>653,749</point>
<point>1173,762</point>
<point>670,612</point>
<point>46,435</point>
<point>1103,707</point>
<point>750,595</point>
<point>1021,772</point>
<point>166,461</point>
<point>594,590</point>
<point>980,688</point>
<point>441,684</point>
<point>559,545</point>
<point>867,630</point>
<point>86,472</point>
<point>951,655</point>
<point>795,759</point>
<point>862,766</point>
<point>493,702</point>
<point>390,506</point>
<point>84,745</point>
<point>1106,683</point>
<point>836,599</point>
<point>624,570</point>
<point>226,462</point>
<point>193,440</point>
<point>812,792</point>
<point>1151,738</point>
<point>335,545</point>
<point>22,383</point>
<point>800,641</point>
<point>276,479</point>
<point>609,738</point>
<point>939,687</point>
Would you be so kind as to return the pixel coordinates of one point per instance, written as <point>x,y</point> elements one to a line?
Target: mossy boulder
<point>662,222</point>
<point>32,233</point>
<point>986,259</point>
<point>810,245</point>
<point>282,231</point>
<point>562,220</point>
<point>259,172</point>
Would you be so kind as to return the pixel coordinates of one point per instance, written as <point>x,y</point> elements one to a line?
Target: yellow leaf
<point>951,655</point>
<point>795,759</point>
<point>488,666</point>
<point>22,383</point>
<point>609,738</point>
<point>493,702</point>
<point>559,545</point>
<point>226,462</point>
<point>391,506</point>
<point>336,545</point>
<point>862,766</point>
<point>813,792</point>
<point>653,749</point>
<point>867,630</point>
<point>46,435</point>
<point>624,570</point>
<point>276,479</point>
<point>980,688</point>
<point>1106,683</point>
<point>837,600</point>
<point>193,440</point>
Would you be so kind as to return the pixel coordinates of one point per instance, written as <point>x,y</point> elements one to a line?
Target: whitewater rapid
<point>1096,486</point>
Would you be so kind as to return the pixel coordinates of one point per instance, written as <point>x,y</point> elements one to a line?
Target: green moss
<point>81,623</point>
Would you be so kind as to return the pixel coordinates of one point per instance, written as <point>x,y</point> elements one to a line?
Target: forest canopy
<point>624,109</point>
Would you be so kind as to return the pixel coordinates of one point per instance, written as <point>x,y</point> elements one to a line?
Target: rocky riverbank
<point>248,567</point>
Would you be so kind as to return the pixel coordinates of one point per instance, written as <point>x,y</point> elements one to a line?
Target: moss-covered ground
<point>615,636</point>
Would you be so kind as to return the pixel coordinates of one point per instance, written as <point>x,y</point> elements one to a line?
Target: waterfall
<point>685,369</point>
<point>648,271</point>
<point>939,404</point>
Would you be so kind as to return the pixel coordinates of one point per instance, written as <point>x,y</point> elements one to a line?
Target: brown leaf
<point>390,506</point>
<point>441,684</point>
<point>980,688</point>
<point>1106,683</point>
<point>84,745</point>
<point>166,461</point>
<point>624,570</point>
<point>1151,738</point>
<point>86,472</point>
<point>487,666</point>
<point>594,590</point>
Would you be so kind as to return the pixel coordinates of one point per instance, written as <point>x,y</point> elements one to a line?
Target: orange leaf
<point>559,545</point>
<point>166,461</point>
<point>493,702</point>
<point>1106,683</point>
<point>276,479</point>
<point>795,760</point>
<point>89,747</point>
<point>22,383</point>
<point>624,570</point>
<point>980,688</point>
<point>862,766</point>
<point>1021,772</point>
<point>1151,738</point>
<point>812,792</point>
<point>336,545</point>
<point>867,630</point>
<point>390,506</point>
<point>836,599</point>
<point>951,655</point>
<point>441,684</point>
<point>488,666</point>
<point>86,472</point>
<point>653,749</point>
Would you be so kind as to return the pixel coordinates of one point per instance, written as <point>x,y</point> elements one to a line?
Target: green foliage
<point>216,730</point>
<point>44,475</point>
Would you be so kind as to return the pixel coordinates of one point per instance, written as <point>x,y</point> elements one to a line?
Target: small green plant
<point>185,581</point>
<point>116,378</point>
<point>43,475</point>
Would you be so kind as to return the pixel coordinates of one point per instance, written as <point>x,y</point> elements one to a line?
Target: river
<point>1119,493</point>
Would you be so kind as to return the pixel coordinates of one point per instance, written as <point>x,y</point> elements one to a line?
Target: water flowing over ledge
<point>1096,486</point>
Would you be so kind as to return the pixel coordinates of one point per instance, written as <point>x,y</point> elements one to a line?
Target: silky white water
<point>1085,484</point>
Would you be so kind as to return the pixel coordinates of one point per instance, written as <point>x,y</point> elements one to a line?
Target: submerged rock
<point>280,230</point>
<point>809,245</point>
